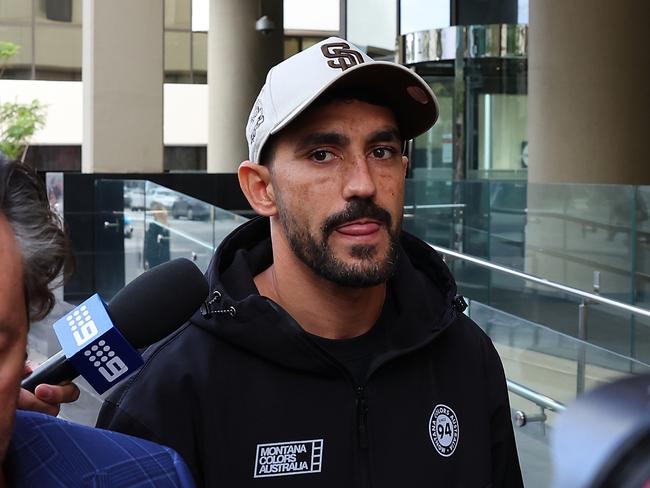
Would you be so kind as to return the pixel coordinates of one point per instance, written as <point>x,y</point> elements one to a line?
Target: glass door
<point>496,119</point>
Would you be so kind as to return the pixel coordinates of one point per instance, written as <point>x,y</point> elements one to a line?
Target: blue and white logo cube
<point>109,365</point>
<point>94,346</point>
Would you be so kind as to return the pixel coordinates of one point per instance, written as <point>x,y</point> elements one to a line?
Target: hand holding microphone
<point>46,399</point>
<point>145,311</point>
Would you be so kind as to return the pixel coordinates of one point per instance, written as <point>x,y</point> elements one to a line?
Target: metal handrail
<point>542,400</point>
<point>432,206</point>
<point>543,281</point>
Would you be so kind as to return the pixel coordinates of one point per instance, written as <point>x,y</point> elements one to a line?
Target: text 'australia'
<point>287,458</point>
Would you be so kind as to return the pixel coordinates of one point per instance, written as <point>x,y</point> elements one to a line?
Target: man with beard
<point>333,350</point>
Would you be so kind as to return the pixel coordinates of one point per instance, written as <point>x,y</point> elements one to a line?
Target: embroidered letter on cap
<point>341,56</point>
<point>256,119</point>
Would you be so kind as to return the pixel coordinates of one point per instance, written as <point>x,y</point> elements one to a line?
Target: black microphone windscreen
<point>158,301</point>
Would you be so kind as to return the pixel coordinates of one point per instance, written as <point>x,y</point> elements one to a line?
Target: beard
<point>315,251</point>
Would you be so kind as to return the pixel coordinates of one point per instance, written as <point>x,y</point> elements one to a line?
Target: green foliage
<point>18,121</point>
<point>7,50</point>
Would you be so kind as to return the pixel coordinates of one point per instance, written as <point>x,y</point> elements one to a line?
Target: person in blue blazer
<point>38,450</point>
<point>50,452</point>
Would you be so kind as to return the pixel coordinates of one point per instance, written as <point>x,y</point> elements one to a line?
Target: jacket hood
<point>423,291</point>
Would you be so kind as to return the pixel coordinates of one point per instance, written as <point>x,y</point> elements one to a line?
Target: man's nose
<point>359,180</point>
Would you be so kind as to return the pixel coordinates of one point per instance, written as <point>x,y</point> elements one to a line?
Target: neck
<point>320,307</point>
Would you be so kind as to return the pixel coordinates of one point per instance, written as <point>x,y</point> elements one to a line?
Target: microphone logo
<point>95,346</point>
<point>81,325</point>
<point>102,357</point>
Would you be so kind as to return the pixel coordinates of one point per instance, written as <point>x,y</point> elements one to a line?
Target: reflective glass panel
<point>546,362</point>
<point>19,66</point>
<point>178,14</point>
<point>502,129</point>
<point>13,10</point>
<point>418,15</point>
<point>59,11</point>
<point>200,56</point>
<point>58,52</point>
<point>177,57</point>
<point>432,154</point>
<point>323,15</point>
<point>372,23</point>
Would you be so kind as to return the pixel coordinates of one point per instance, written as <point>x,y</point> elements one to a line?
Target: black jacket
<point>249,399</point>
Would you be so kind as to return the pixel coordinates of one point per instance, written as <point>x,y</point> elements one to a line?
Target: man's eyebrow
<point>388,135</point>
<point>322,139</point>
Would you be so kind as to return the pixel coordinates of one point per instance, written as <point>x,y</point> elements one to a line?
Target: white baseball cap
<point>298,81</point>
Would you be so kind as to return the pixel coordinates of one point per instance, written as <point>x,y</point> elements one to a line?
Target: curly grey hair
<point>45,248</point>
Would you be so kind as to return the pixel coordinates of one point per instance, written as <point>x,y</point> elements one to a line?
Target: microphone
<point>603,439</point>
<point>100,345</point>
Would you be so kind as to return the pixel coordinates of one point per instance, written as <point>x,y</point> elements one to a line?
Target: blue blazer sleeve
<point>49,452</point>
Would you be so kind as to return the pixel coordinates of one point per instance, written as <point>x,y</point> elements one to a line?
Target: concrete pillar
<point>122,76</point>
<point>238,59</point>
<point>589,66</point>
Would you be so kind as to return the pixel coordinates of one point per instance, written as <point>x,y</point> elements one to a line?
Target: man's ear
<point>255,182</point>
<point>405,164</point>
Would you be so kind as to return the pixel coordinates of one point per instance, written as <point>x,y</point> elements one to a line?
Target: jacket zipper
<point>361,400</point>
<point>362,417</point>
<point>362,437</point>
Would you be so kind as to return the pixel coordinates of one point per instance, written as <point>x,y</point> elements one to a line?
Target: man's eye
<point>322,156</point>
<point>383,153</point>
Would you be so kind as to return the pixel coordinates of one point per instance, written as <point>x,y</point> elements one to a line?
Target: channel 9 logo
<point>81,325</point>
<point>95,346</point>
<point>101,356</point>
<point>109,365</point>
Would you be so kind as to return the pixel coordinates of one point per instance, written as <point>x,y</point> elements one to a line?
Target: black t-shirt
<point>358,353</point>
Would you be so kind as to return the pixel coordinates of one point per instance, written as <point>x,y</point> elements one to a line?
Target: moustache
<point>355,210</point>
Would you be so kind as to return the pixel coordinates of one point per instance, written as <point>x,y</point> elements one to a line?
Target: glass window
<point>432,153</point>
<point>177,14</point>
<point>20,66</point>
<point>522,11</point>
<point>200,56</point>
<point>323,15</point>
<point>496,118</point>
<point>418,15</point>
<point>58,52</point>
<point>14,10</point>
<point>372,23</point>
<point>502,124</point>
<point>200,17</point>
<point>310,41</point>
<point>291,46</point>
<point>59,11</point>
<point>177,57</point>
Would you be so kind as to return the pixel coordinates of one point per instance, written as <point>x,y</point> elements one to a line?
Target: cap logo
<point>256,119</point>
<point>341,56</point>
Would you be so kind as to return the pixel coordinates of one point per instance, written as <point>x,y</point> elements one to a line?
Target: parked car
<point>161,195</point>
<point>134,198</point>
<point>190,208</point>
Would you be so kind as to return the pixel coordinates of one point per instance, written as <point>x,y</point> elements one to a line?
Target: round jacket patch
<point>444,430</point>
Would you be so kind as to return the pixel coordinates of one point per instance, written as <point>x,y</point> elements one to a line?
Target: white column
<point>122,86</point>
<point>238,60</point>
